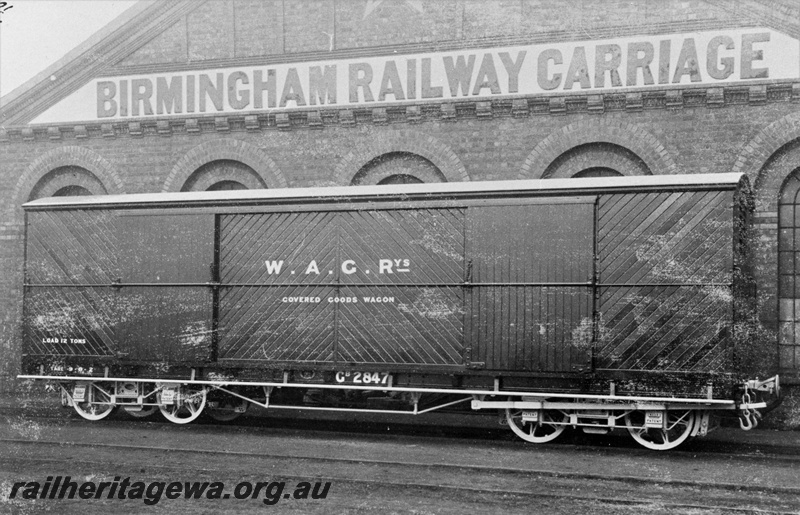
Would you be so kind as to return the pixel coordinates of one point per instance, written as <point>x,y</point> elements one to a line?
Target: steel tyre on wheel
<point>550,425</point>
<point>227,409</point>
<point>677,429</point>
<point>189,406</point>
<point>96,404</point>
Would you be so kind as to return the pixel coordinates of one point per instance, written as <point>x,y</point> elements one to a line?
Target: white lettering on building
<point>702,58</point>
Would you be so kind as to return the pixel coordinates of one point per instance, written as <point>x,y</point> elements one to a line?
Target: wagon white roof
<point>729,180</point>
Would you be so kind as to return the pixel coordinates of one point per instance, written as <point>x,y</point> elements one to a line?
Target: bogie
<point>658,430</point>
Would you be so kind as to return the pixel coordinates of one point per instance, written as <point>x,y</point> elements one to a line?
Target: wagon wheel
<point>551,423</point>
<point>140,411</point>
<point>228,409</point>
<point>96,404</point>
<point>188,409</point>
<point>678,428</point>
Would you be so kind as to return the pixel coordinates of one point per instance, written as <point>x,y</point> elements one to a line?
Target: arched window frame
<point>789,272</point>
<point>397,164</point>
<point>212,173</point>
<point>57,180</point>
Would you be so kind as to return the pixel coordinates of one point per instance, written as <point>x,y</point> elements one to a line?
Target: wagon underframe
<point>658,423</point>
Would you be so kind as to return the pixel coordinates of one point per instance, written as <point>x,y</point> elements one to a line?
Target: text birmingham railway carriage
<point>590,66</point>
<point>591,303</point>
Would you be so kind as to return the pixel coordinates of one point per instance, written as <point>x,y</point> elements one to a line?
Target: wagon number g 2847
<point>363,377</point>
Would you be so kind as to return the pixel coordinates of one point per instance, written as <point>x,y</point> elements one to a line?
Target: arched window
<point>72,191</point>
<point>597,171</point>
<point>789,271</point>
<point>226,186</point>
<point>67,181</point>
<point>398,168</point>
<point>400,178</point>
<point>596,160</point>
<point>223,174</point>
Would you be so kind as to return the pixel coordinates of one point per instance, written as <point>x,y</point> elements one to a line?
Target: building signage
<point>643,62</point>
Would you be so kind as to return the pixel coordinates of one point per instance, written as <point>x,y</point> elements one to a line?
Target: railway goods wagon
<point>592,303</point>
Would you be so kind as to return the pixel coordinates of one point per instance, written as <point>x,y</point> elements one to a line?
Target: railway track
<point>457,476</point>
<point>450,429</point>
<point>782,507</point>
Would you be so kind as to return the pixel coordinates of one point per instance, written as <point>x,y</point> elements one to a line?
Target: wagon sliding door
<point>531,297</point>
<point>342,287</point>
<point>166,267</point>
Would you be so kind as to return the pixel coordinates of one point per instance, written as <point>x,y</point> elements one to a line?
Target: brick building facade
<point>676,122</point>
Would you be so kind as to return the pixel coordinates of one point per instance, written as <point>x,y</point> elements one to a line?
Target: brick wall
<point>660,132</point>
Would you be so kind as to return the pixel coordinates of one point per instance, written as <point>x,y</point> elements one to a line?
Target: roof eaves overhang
<point>126,33</point>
